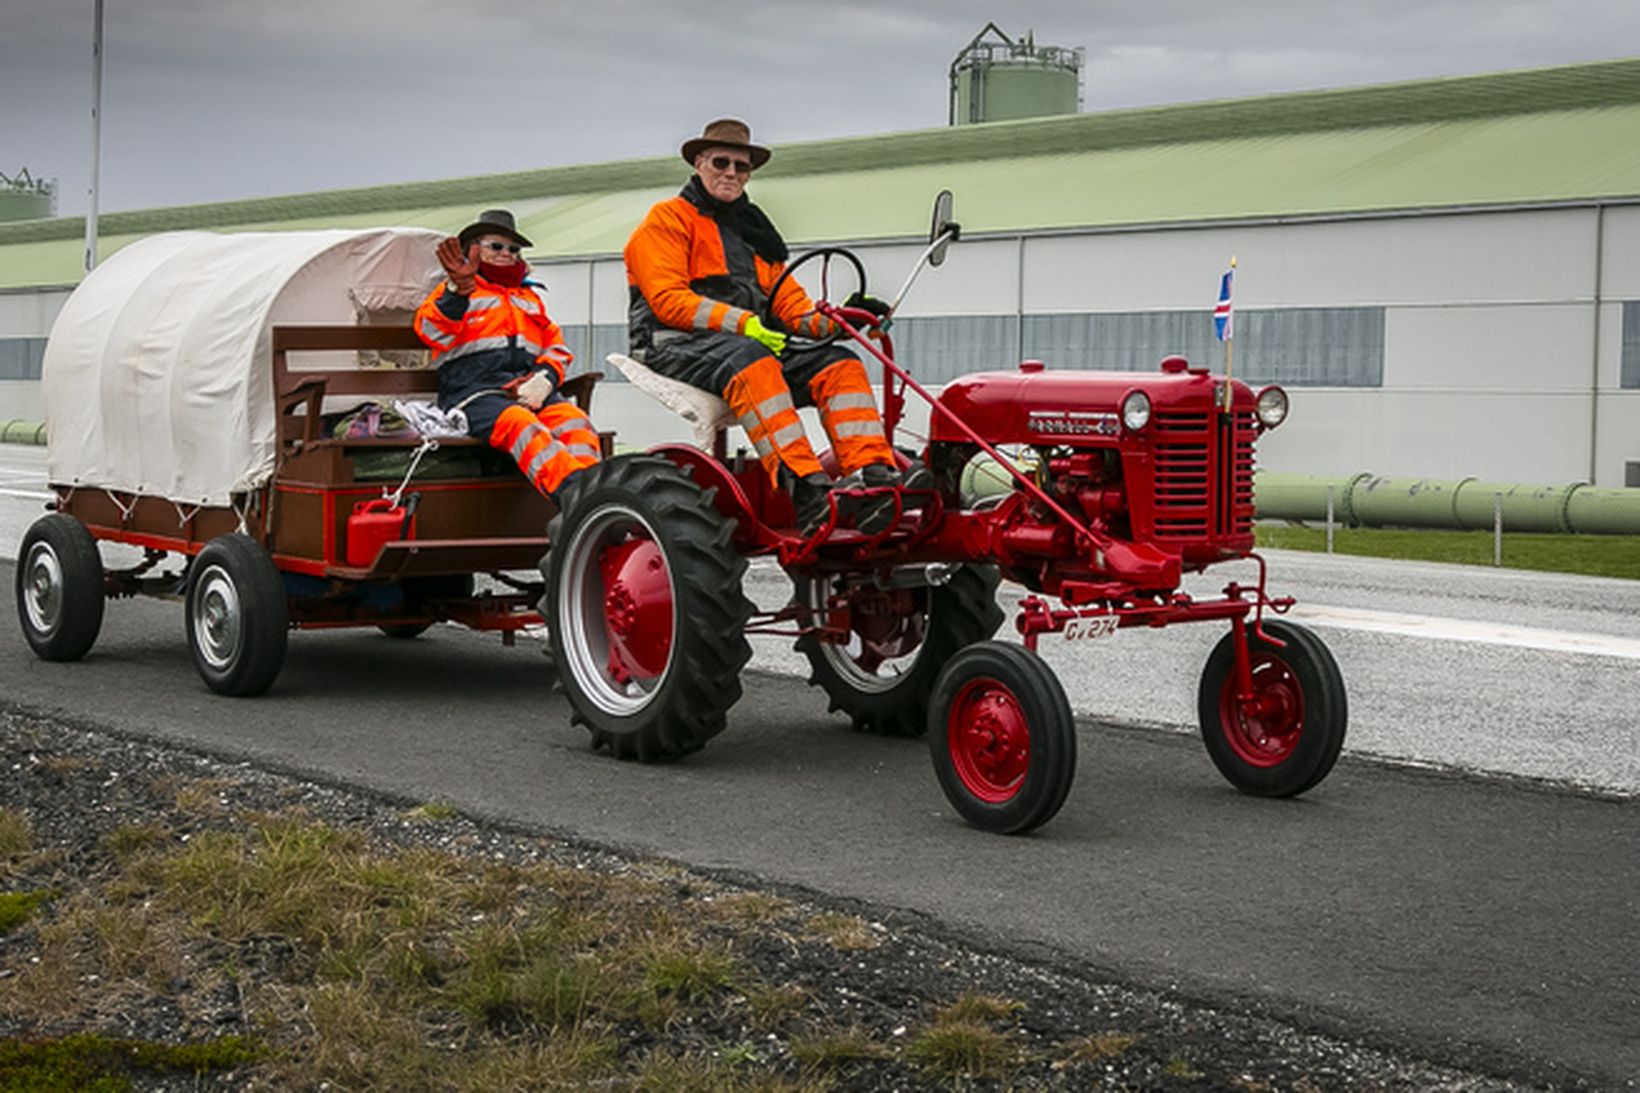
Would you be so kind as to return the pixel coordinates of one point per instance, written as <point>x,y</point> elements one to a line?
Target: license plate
<point>1102,626</point>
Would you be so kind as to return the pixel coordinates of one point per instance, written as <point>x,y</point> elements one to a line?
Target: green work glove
<point>755,330</point>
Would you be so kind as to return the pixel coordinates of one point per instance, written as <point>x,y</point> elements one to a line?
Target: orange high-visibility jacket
<point>494,334</point>
<point>687,273</point>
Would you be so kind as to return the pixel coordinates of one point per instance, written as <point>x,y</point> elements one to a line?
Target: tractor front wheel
<point>897,643</point>
<point>1002,738</point>
<point>59,586</point>
<point>644,601</point>
<point>1283,737</point>
<point>237,616</point>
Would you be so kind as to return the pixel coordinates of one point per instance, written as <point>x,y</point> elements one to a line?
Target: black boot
<point>811,497</point>
<point>875,512</point>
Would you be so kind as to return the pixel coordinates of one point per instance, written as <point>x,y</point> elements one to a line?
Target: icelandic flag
<point>1222,319</point>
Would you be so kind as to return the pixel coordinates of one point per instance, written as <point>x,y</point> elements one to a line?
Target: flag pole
<point>1229,346</point>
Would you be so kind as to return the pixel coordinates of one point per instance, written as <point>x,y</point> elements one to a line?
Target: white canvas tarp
<point>158,373</point>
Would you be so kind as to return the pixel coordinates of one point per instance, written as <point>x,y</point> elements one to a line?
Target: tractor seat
<point>705,411</point>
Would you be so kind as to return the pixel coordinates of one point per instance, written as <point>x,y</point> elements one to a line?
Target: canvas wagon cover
<point>158,373</point>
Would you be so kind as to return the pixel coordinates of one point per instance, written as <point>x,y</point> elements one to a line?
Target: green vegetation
<point>16,907</point>
<point>1593,555</point>
<point>85,1063</point>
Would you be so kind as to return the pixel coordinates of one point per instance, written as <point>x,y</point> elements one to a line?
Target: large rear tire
<point>883,676</point>
<point>1285,739</point>
<point>644,602</point>
<point>1002,738</point>
<point>59,585</point>
<point>237,616</point>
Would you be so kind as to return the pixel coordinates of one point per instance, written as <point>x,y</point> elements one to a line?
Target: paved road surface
<point>1486,922</point>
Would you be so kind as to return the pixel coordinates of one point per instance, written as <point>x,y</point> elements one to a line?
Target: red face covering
<point>510,275</point>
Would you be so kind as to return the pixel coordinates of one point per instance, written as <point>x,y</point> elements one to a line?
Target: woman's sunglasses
<point>510,248</point>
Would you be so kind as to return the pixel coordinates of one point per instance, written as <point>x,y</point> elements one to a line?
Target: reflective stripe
<point>775,404</point>
<point>703,313</point>
<point>550,452</point>
<point>791,434</point>
<point>477,345</point>
<point>735,318</point>
<point>856,428</point>
<point>558,354</point>
<point>851,400</point>
<point>521,443</point>
<point>431,333</point>
<point>529,347</point>
<point>476,302</point>
<point>584,451</point>
<point>572,425</point>
<point>527,304</point>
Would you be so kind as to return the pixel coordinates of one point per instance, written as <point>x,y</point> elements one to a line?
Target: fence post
<point>1329,518</point>
<point>1497,529</point>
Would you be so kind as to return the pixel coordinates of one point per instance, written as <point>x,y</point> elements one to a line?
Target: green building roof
<point>1542,136</point>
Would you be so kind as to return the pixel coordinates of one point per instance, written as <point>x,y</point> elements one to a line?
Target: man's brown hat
<point>492,222</point>
<point>725,133</point>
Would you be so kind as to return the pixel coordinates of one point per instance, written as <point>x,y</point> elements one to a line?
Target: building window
<point>1631,344</point>
<point>20,358</point>
<point>1299,347</point>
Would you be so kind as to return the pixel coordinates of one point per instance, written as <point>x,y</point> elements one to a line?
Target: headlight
<point>1135,410</point>
<point>1272,407</point>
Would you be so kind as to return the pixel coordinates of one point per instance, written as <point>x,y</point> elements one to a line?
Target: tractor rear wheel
<point>644,601</point>
<point>1285,737</point>
<point>237,615</point>
<point>898,642</point>
<point>1002,737</point>
<point>59,586</point>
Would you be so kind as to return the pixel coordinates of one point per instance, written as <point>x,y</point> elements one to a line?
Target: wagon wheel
<point>237,616</point>
<point>883,675</point>
<point>1002,738</point>
<point>59,584</point>
<point>643,597</point>
<point>1286,737</point>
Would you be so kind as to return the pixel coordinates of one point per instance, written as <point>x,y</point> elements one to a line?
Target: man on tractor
<point>500,359</point>
<point>699,269</point>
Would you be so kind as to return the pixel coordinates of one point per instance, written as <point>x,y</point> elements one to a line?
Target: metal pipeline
<point>1463,504</point>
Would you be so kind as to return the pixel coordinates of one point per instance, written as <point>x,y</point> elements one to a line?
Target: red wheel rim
<point>637,610</point>
<point>989,740</point>
<point>1264,729</point>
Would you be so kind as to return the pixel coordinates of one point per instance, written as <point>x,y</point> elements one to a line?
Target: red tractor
<point>1120,484</point>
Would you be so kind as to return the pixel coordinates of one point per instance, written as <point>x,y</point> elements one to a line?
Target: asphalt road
<point>1483,921</point>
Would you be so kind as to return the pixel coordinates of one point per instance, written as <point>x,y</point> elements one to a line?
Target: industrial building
<point>1444,273</point>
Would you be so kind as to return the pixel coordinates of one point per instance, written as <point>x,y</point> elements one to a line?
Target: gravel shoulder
<point>873,999</point>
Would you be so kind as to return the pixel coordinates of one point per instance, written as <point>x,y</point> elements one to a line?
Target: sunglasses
<point>723,163</point>
<point>510,248</point>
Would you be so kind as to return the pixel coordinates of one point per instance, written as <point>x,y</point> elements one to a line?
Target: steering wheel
<point>824,255</point>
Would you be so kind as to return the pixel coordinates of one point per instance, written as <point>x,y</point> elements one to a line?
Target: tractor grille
<point>1204,475</point>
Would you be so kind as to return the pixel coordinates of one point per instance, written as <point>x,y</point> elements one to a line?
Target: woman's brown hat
<point>725,133</point>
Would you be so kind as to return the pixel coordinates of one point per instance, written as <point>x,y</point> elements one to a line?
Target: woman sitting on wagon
<point>500,359</point>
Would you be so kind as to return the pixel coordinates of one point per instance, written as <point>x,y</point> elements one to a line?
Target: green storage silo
<point>998,78</point>
<point>23,197</point>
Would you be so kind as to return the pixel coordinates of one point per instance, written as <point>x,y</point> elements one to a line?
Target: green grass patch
<point>17,908</point>
<point>86,1063</point>
<point>1591,555</point>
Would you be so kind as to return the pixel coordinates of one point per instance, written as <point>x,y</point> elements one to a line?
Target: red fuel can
<point>372,526</point>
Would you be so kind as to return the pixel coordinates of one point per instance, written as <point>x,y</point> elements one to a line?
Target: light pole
<point>96,137</point>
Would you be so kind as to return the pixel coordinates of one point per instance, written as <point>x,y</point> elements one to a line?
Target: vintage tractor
<point>1121,483</point>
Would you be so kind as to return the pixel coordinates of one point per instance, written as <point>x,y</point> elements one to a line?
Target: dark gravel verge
<point>1061,1029</point>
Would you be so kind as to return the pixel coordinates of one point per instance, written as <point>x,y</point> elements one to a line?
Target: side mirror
<point>944,231</point>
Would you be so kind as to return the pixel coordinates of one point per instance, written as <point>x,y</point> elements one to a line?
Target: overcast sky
<point>208,100</point>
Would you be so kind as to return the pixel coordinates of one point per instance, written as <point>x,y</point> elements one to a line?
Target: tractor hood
<point>1033,405</point>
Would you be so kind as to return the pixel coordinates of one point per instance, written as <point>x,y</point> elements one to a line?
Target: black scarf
<point>741,217</point>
